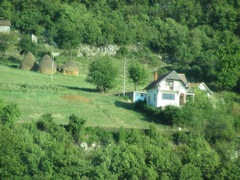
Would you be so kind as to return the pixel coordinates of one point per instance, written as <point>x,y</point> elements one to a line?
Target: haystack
<point>28,63</point>
<point>47,66</point>
<point>70,68</point>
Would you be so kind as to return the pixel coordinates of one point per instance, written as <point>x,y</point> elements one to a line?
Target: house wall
<point>139,96</point>
<point>150,97</point>
<point>163,92</point>
<point>203,87</point>
<point>5,29</point>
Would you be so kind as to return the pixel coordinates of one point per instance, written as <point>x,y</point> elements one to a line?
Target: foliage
<point>137,73</point>
<point>75,127</point>
<point>171,115</point>
<point>200,37</point>
<point>6,41</point>
<point>9,114</point>
<point>47,150</point>
<point>102,73</point>
<point>26,45</point>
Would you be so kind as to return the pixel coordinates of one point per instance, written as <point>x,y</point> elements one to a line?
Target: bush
<point>171,115</point>
<point>141,106</point>
<point>75,127</point>
<point>9,114</point>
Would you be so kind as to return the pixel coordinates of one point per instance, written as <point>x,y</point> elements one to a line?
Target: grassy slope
<point>35,95</point>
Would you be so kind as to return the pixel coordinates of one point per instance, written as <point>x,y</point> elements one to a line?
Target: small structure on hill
<point>34,38</point>
<point>28,63</point>
<point>5,26</point>
<point>168,89</point>
<point>203,87</point>
<point>47,65</point>
<point>70,68</point>
<point>136,96</point>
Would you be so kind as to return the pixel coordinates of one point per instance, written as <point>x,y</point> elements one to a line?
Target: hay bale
<point>47,66</point>
<point>28,63</point>
<point>70,68</point>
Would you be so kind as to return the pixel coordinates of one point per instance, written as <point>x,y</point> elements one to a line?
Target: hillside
<point>198,37</point>
<point>35,95</point>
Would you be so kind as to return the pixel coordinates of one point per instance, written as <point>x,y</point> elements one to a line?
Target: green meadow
<point>35,94</point>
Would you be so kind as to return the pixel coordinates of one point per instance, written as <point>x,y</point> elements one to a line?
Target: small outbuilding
<point>47,65</point>
<point>136,95</point>
<point>5,26</point>
<point>70,68</point>
<point>28,63</point>
<point>203,87</point>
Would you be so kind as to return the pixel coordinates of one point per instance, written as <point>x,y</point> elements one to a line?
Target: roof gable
<point>173,75</point>
<point>5,23</point>
<point>198,85</point>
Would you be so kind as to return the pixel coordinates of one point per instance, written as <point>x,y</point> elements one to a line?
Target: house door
<point>182,99</point>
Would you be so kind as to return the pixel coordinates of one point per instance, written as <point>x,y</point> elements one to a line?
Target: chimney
<point>155,75</point>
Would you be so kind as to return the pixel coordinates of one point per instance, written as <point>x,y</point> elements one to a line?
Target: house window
<point>154,97</point>
<point>166,96</point>
<point>170,84</point>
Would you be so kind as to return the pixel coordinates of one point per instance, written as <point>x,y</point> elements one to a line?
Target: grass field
<point>35,94</point>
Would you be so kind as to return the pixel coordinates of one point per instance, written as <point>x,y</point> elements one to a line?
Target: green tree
<point>12,149</point>
<point>102,73</point>
<point>26,45</point>
<point>137,73</point>
<point>6,41</point>
<point>9,114</point>
<point>75,126</point>
<point>189,171</point>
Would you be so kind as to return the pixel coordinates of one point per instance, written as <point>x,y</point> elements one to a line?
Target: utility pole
<point>124,77</point>
<point>52,56</point>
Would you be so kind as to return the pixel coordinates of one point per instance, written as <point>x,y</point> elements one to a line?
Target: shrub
<point>9,114</point>
<point>171,115</point>
<point>75,127</point>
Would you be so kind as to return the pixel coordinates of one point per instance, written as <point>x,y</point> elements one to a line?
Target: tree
<point>26,45</point>
<point>102,73</point>
<point>9,114</point>
<point>75,126</point>
<point>137,73</point>
<point>6,41</point>
<point>189,171</point>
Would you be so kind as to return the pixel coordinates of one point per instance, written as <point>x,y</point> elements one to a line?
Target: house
<point>168,89</point>
<point>136,95</point>
<point>5,26</point>
<point>34,38</point>
<point>203,87</point>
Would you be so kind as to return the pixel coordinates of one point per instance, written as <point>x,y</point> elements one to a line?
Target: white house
<point>168,89</point>
<point>203,87</point>
<point>5,26</point>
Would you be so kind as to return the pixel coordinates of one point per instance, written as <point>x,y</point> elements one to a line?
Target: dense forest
<point>198,37</point>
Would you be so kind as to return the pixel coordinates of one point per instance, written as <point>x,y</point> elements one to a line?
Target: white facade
<point>163,95</point>
<point>204,88</point>
<point>5,29</point>
<point>5,26</point>
<point>167,90</point>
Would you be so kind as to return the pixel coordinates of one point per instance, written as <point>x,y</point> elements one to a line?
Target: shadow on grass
<point>125,105</point>
<point>132,107</point>
<point>80,89</point>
